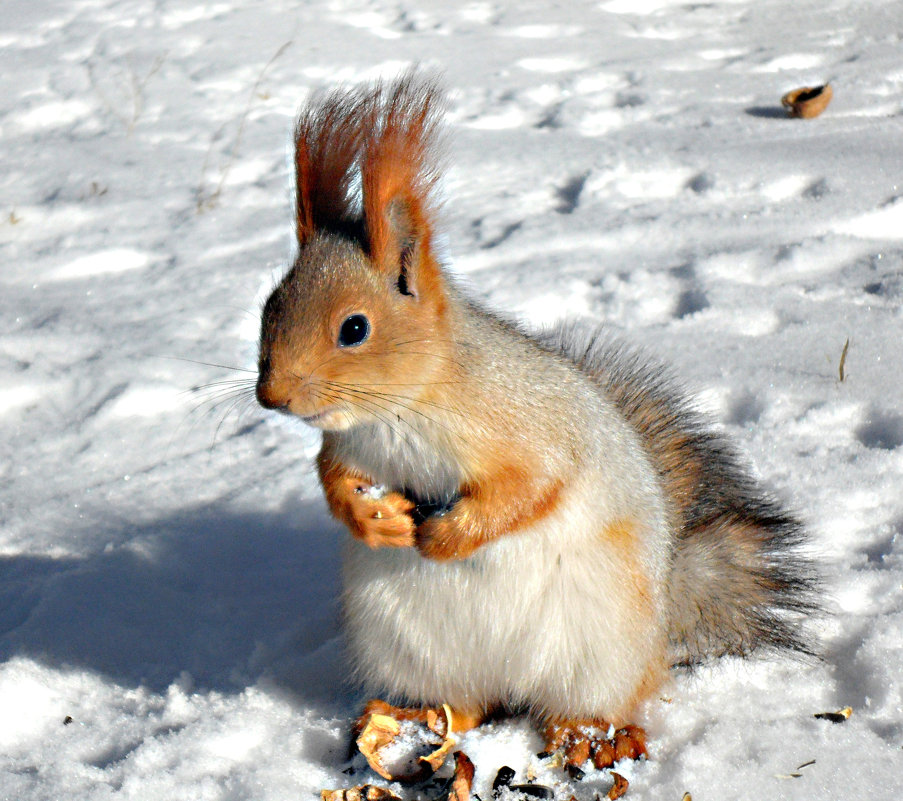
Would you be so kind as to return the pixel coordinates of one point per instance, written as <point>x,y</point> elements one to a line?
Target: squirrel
<point>540,523</point>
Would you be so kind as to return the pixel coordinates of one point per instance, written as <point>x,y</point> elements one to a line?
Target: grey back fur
<point>737,581</point>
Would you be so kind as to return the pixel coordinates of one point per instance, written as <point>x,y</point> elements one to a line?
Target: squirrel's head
<point>358,325</point>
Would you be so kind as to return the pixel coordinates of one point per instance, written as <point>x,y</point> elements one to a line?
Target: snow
<point>168,570</point>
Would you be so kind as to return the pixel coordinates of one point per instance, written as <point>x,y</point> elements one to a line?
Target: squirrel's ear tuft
<point>398,175</point>
<point>329,136</point>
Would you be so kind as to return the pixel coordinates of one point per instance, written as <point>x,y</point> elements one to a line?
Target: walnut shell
<point>808,101</point>
<point>382,730</point>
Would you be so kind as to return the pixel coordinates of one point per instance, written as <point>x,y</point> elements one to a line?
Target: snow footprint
<point>745,409</point>
<point>881,430</point>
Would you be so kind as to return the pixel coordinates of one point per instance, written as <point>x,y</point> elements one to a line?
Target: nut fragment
<point>382,730</point>
<point>463,778</point>
<point>379,732</point>
<point>435,725</point>
<point>808,101</point>
<point>618,788</point>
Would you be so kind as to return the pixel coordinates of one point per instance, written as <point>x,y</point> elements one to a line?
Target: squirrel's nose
<point>270,397</point>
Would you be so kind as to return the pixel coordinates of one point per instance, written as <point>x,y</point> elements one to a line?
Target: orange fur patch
<point>328,137</point>
<point>649,685</point>
<point>397,177</point>
<point>501,504</point>
<point>396,165</point>
<point>622,535</point>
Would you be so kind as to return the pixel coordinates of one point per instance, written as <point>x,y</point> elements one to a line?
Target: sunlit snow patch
<point>53,114</point>
<point>787,187</point>
<point>179,17</point>
<point>636,6</point>
<point>477,12</point>
<point>544,311</point>
<point>885,223</point>
<point>373,22</point>
<point>15,397</point>
<point>795,61</point>
<point>552,64</point>
<point>511,118</point>
<point>29,707</point>
<point>331,74</point>
<point>543,31</point>
<point>147,401</point>
<point>115,260</point>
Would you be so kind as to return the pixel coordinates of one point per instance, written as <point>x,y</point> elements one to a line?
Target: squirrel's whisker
<point>401,400</point>
<point>209,364</point>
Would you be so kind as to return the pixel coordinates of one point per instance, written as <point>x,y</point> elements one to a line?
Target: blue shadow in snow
<point>226,597</point>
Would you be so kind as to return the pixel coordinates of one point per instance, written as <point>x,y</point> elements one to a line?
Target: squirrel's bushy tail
<point>738,582</point>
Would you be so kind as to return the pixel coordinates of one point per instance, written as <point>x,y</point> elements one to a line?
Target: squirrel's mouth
<point>313,419</point>
<point>329,419</point>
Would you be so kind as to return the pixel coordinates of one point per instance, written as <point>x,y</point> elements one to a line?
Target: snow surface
<point>168,571</point>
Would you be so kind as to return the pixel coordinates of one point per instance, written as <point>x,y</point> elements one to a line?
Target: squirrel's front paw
<point>381,520</point>
<point>439,538</point>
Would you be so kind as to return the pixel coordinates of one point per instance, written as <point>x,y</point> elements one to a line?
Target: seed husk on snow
<point>364,792</point>
<point>843,360</point>
<point>502,779</point>
<point>840,716</point>
<point>538,791</point>
<point>575,772</point>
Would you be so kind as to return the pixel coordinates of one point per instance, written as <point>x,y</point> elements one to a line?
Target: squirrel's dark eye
<point>354,330</point>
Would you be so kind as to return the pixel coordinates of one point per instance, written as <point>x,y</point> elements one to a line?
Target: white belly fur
<point>547,618</point>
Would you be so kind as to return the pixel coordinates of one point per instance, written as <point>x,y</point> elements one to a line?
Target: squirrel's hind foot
<point>593,740</point>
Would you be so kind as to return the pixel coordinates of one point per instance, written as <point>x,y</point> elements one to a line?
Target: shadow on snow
<point>226,597</point>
